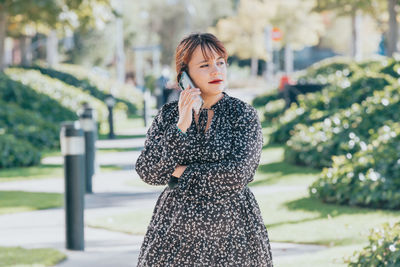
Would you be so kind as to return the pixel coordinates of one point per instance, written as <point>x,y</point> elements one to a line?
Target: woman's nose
<point>215,68</point>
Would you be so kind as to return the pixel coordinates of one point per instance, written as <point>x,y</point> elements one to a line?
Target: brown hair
<point>186,47</point>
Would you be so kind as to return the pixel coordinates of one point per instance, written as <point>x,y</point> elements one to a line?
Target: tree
<point>244,32</point>
<point>20,13</point>
<point>393,33</point>
<point>355,9</point>
<point>166,22</point>
<point>300,26</point>
<point>44,16</point>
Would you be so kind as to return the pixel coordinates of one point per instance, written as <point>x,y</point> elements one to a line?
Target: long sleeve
<point>163,149</point>
<point>221,179</point>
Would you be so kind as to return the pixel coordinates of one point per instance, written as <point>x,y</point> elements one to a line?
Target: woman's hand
<point>179,170</point>
<point>185,103</point>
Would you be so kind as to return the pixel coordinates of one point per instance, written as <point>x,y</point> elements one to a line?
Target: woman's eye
<point>203,66</point>
<point>221,63</point>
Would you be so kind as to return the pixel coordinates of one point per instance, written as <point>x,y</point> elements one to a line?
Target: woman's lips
<point>216,81</point>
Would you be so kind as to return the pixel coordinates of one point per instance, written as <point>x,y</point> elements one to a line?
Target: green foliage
<point>274,109</point>
<point>97,78</point>
<point>262,100</point>
<point>17,152</point>
<point>29,122</point>
<point>68,96</point>
<point>392,68</point>
<point>38,257</point>
<point>330,70</point>
<point>315,107</point>
<point>84,84</point>
<point>150,82</point>
<point>28,99</point>
<point>382,250</point>
<point>28,125</point>
<point>368,177</point>
<point>315,145</point>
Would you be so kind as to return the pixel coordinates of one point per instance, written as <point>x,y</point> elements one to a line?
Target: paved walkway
<point>116,192</point>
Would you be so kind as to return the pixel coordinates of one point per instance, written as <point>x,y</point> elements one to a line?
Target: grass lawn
<point>290,216</point>
<point>40,172</point>
<point>17,256</point>
<point>19,201</point>
<point>124,125</point>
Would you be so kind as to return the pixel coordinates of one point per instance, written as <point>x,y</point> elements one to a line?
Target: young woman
<point>210,218</point>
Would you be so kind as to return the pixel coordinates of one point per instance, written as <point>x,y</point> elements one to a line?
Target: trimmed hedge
<point>29,99</point>
<point>101,80</point>
<point>330,71</point>
<point>15,153</point>
<point>369,177</point>
<point>84,84</point>
<point>382,250</point>
<point>315,145</point>
<point>28,125</point>
<point>314,107</point>
<point>68,96</point>
<point>273,109</point>
<point>262,100</point>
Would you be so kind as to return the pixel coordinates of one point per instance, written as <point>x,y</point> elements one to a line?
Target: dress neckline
<point>218,103</point>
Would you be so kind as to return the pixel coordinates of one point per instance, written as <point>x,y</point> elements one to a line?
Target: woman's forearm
<point>179,170</point>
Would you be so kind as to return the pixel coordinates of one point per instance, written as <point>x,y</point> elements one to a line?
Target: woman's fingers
<point>189,95</point>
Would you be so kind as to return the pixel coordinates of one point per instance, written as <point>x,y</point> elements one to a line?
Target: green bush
<point>98,78</point>
<point>392,68</point>
<point>273,109</point>
<point>369,177</point>
<point>382,250</point>
<point>315,145</point>
<point>15,153</point>
<point>262,100</point>
<point>315,107</point>
<point>68,96</point>
<point>15,92</point>
<point>329,71</point>
<point>84,84</point>
<point>375,64</point>
<point>28,125</point>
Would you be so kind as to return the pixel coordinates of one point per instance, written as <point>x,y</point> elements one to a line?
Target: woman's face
<point>208,75</point>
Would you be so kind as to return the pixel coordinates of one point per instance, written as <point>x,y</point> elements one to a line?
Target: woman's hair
<point>186,47</point>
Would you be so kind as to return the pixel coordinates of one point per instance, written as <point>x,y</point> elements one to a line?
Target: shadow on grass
<point>18,201</point>
<point>280,170</point>
<point>119,149</point>
<point>120,136</point>
<point>267,145</point>
<point>42,169</point>
<point>322,210</point>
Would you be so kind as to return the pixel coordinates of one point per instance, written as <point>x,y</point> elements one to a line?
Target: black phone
<point>184,82</point>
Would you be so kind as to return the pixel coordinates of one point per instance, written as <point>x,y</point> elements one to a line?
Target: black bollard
<point>72,148</point>
<point>110,102</point>
<point>89,126</point>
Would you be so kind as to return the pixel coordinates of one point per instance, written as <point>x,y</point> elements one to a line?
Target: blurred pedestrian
<point>207,216</point>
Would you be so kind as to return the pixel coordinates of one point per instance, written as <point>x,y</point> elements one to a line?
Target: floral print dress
<point>211,218</point>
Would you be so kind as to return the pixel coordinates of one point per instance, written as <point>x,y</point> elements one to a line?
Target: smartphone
<point>184,82</point>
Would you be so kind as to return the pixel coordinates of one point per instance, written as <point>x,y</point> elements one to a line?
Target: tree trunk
<point>52,48</point>
<point>254,66</point>
<point>120,54</point>
<point>393,28</point>
<point>3,25</point>
<point>270,54</point>
<point>26,54</point>
<point>356,24</point>
<point>288,59</point>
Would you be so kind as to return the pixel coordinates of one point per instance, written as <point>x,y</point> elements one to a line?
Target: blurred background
<point>322,74</point>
